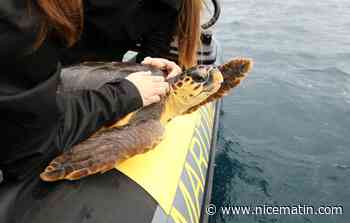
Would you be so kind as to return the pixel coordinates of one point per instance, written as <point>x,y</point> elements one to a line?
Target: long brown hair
<point>65,18</point>
<point>188,31</point>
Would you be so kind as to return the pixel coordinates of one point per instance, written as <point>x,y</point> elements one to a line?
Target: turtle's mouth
<point>213,81</point>
<point>214,77</point>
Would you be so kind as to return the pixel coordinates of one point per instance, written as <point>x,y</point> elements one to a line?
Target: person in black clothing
<point>111,28</point>
<point>37,123</point>
<point>38,38</point>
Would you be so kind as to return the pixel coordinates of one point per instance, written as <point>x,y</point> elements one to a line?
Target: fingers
<point>162,89</point>
<point>154,79</point>
<point>158,79</point>
<point>157,62</point>
<point>174,70</point>
<point>145,75</point>
<point>153,99</point>
<point>140,73</point>
<point>170,67</point>
<point>151,88</point>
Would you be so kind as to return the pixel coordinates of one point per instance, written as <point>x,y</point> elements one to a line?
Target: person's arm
<point>85,111</point>
<point>33,131</point>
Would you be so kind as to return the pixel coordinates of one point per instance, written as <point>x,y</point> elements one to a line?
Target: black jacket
<point>36,123</point>
<point>121,25</point>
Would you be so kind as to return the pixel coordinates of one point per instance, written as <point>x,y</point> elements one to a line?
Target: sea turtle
<point>143,129</point>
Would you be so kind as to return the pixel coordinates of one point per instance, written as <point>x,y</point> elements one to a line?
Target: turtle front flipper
<point>101,153</point>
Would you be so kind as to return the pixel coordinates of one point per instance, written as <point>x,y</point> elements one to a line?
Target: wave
<point>329,70</point>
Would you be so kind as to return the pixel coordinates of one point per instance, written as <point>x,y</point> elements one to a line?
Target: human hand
<point>171,68</point>
<point>150,87</point>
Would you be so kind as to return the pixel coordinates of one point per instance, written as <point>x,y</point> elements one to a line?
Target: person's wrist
<point>133,93</point>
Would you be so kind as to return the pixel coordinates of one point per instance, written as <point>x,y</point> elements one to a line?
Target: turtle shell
<point>92,75</point>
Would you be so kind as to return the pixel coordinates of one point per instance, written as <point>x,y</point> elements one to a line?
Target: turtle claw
<point>78,174</point>
<point>51,174</point>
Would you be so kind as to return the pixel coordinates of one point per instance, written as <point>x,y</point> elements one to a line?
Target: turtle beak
<point>214,79</point>
<point>215,75</point>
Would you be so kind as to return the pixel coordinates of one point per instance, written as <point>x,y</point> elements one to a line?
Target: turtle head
<point>202,84</point>
<point>197,83</point>
<point>194,86</point>
<point>232,73</point>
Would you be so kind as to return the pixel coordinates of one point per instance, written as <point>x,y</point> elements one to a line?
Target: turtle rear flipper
<point>101,153</point>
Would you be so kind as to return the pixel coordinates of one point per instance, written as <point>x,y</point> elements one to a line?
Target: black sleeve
<point>38,123</point>
<point>85,111</point>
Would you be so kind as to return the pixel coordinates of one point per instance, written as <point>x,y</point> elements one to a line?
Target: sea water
<point>284,137</point>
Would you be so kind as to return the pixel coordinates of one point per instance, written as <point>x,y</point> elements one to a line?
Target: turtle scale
<point>131,136</point>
